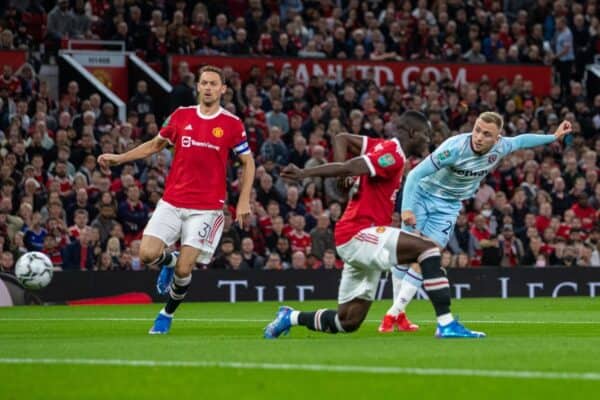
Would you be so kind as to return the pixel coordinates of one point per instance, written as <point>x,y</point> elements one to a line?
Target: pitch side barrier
<point>233,286</point>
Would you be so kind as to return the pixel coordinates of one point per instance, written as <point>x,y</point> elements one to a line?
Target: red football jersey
<point>299,241</point>
<point>372,203</point>
<point>197,179</point>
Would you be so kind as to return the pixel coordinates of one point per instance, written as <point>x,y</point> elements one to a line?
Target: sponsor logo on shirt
<point>217,132</point>
<point>464,172</point>
<point>187,141</point>
<point>386,160</point>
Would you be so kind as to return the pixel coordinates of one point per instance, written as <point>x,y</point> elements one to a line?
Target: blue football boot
<point>162,324</point>
<point>456,330</point>
<point>165,277</point>
<point>280,325</point>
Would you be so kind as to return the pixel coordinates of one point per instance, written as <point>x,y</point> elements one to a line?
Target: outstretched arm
<point>144,150</point>
<point>528,140</point>
<point>353,167</point>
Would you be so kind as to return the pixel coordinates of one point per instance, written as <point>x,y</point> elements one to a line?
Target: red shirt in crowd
<point>299,241</point>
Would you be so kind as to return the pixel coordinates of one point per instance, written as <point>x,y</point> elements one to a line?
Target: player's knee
<point>148,255</point>
<point>351,325</point>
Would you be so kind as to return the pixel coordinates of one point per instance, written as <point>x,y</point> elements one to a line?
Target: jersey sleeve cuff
<point>363,147</point>
<point>433,162</point>
<point>167,139</point>
<point>370,165</point>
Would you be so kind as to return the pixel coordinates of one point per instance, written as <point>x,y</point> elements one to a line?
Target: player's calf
<point>177,292</point>
<point>323,321</point>
<point>435,282</point>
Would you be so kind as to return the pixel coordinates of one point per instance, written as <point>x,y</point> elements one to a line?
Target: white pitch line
<point>587,376</point>
<point>245,320</point>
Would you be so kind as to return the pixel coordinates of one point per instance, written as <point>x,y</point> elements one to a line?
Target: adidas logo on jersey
<point>188,127</point>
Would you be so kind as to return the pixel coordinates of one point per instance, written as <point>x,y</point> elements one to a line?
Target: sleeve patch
<point>386,160</point>
<point>444,155</point>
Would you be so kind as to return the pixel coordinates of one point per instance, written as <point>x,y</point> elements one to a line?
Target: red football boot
<point>387,324</point>
<point>404,324</point>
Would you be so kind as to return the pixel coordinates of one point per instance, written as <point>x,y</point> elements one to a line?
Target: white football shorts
<point>200,229</point>
<point>370,252</point>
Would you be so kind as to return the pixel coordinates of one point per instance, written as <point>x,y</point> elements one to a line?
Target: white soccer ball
<point>34,270</point>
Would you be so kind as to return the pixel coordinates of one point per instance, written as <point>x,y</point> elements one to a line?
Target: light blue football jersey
<point>458,171</point>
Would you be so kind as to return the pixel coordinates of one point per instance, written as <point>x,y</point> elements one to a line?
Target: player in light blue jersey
<point>434,190</point>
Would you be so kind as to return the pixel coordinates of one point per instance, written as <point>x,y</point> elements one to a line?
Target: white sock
<point>396,286</point>
<point>408,288</point>
<point>173,261</point>
<point>294,317</point>
<point>165,313</point>
<point>398,274</point>
<point>445,319</point>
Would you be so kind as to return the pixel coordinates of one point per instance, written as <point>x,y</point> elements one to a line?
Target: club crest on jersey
<point>443,155</point>
<point>386,160</point>
<point>492,158</point>
<point>380,229</point>
<point>217,132</point>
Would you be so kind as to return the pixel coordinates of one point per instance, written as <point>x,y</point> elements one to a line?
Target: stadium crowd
<point>539,208</point>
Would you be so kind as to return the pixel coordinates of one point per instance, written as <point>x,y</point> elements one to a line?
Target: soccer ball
<point>34,270</point>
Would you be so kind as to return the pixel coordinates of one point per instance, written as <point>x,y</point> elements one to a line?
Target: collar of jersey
<point>203,116</point>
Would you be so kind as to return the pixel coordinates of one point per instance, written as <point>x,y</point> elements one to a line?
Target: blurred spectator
<point>184,93</point>
<point>564,52</point>
<point>298,260</point>
<point>141,102</point>
<point>226,248</point>
<point>274,262</point>
<point>461,239</point>
<point>321,236</point>
<point>250,260</point>
<point>35,233</point>
<point>79,255</point>
<point>7,262</point>
<point>61,23</point>
<point>511,247</point>
<point>133,214</point>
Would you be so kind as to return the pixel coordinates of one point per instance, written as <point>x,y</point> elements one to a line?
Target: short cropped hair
<point>492,117</point>
<point>212,68</point>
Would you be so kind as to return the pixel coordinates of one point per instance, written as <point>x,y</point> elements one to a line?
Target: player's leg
<point>162,230</point>
<point>177,289</point>
<point>356,292</point>
<point>200,234</point>
<point>405,289</point>
<point>351,312</point>
<point>426,252</point>
<point>406,279</point>
<point>355,295</point>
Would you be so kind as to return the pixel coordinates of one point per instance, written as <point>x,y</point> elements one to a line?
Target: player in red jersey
<point>363,237</point>
<point>192,205</point>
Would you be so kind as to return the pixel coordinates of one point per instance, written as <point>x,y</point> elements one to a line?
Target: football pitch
<point>535,349</point>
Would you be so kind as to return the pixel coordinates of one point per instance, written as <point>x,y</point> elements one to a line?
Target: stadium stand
<point>540,208</point>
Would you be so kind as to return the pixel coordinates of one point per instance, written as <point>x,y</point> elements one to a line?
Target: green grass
<point>541,347</point>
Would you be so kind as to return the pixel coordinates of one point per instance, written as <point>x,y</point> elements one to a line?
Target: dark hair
<point>415,120</point>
